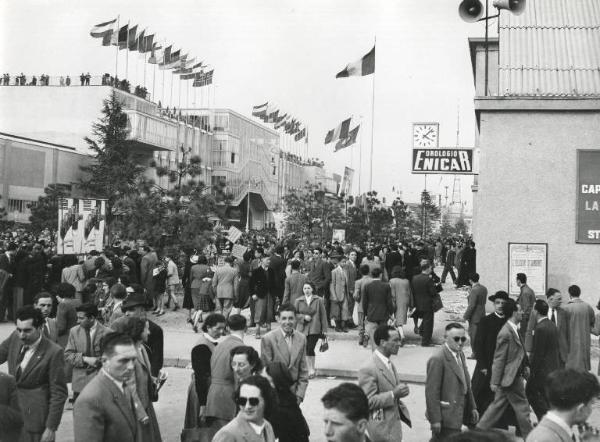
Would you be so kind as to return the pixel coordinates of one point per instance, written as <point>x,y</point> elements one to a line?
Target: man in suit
<point>43,302</point>
<point>11,420</point>
<point>338,292</point>
<point>581,322</point>
<point>424,291</point>
<point>294,284</point>
<point>8,263</point>
<point>476,308</point>
<point>571,394</point>
<point>346,414</point>
<point>377,304</point>
<point>135,305</point>
<point>558,316</point>
<point>220,407</point>
<point>379,380</point>
<point>526,300</point>
<point>223,285</point>
<point>448,395</point>
<point>38,367</point>
<point>449,264</point>
<point>104,410</point>
<point>277,264</point>
<point>509,371</point>
<point>320,275</point>
<point>147,264</point>
<point>83,350</point>
<point>288,346</point>
<point>351,273</point>
<point>544,358</point>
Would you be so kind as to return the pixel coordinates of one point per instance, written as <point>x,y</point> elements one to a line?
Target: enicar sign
<point>446,161</point>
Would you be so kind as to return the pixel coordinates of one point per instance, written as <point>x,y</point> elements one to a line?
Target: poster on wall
<point>339,235</point>
<point>588,197</point>
<point>81,224</point>
<point>531,259</point>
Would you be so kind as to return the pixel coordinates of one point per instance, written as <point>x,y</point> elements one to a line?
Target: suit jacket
<point>562,320</point>
<point>548,431</point>
<point>508,357</point>
<point>52,329</point>
<point>377,301</point>
<point>261,282</point>
<point>41,387</point>
<point>316,309</point>
<point>351,273</point>
<point>66,318</point>
<point>545,350</point>
<point>423,289</point>
<point>476,308</point>
<point>273,348</point>
<point>11,420</point>
<point>197,273</point>
<point>293,287</point>
<point>223,281</point>
<point>526,300</point>
<point>386,412</point>
<point>338,288</point>
<point>445,399</point>
<point>239,430</point>
<point>320,273</point>
<point>147,264</point>
<point>277,264</point>
<point>83,373</point>
<point>219,401</point>
<point>102,413</point>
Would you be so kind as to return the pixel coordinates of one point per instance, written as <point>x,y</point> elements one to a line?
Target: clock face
<point>425,134</point>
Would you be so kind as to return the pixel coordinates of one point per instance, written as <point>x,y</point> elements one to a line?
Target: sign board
<point>339,235</point>
<point>346,187</point>
<point>233,234</point>
<point>588,197</point>
<point>81,224</point>
<point>531,259</point>
<point>442,160</point>
<point>238,251</point>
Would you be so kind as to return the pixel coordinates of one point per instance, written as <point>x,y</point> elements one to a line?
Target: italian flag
<point>361,67</point>
<point>100,30</point>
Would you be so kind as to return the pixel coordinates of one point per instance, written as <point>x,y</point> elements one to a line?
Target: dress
<point>401,295</point>
<point>201,290</point>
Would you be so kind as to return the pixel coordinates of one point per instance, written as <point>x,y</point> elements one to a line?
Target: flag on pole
<point>122,37</point>
<point>156,55</point>
<point>260,110</point>
<point>101,29</point>
<point>361,67</point>
<point>132,41</point>
<point>349,140</point>
<point>204,80</point>
<point>193,75</point>
<point>166,55</point>
<point>282,120</point>
<point>300,134</point>
<point>107,39</point>
<point>339,132</point>
<point>140,41</point>
<point>273,116</point>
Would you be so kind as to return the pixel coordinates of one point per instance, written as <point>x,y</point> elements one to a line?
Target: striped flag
<point>339,132</point>
<point>260,110</point>
<point>359,68</point>
<point>282,120</point>
<point>121,37</point>
<point>300,134</point>
<point>204,80</point>
<point>101,29</point>
<point>132,41</point>
<point>349,140</point>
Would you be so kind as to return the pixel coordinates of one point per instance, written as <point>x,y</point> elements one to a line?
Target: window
<point>19,205</point>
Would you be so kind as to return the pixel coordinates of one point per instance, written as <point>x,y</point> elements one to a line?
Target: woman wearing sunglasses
<point>255,399</point>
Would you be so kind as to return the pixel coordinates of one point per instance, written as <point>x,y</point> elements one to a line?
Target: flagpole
<point>360,159</point>
<point>127,53</point>
<point>153,80</point>
<point>117,51</point>
<point>372,128</point>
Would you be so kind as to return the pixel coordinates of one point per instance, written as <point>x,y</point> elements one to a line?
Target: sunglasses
<point>462,339</point>
<point>254,401</point>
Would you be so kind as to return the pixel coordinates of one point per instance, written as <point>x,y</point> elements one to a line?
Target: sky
<point>286,52</point>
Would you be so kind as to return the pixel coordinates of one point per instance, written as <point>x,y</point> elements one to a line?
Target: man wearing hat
<point>338,292</point>
<point>484,346</point>
<point>135,305</point>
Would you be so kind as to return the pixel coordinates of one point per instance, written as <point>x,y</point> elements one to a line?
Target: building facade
<point>540,111</point>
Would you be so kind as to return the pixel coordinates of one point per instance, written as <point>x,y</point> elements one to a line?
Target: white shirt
<point>560,422</point>
<point>211,339</point>
<point>387,363</point>
<point>550,310</point>
<point>119,384</point>
<point>258,429</point>
<point>29,353</point>
<point>455,354</point>
<point>93,332</point>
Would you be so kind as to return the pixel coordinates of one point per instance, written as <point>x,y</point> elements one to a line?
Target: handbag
<point>324,344</point>
<point>437,302</point>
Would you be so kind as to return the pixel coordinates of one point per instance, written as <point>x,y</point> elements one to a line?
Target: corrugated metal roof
<point>551,49</point>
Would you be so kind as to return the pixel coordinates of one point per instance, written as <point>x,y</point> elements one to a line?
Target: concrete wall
<point>527,187</point>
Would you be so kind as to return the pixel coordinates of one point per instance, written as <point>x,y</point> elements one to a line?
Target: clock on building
<point>425,134</point>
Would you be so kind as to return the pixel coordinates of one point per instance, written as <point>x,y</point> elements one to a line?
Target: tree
<point>312,213</point>
<point>3,213</point>
<point>427,214</point>
<point>461,228</point>
<point>44,213</point>
<point>180,214</point>
<point>117,170</point>
<point>404,221</point>
<point>369,220</point>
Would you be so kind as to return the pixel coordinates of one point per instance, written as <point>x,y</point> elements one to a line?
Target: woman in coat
<point>243,284</point>
<point>401,296</point>
<point>311,320</point>
<point>201,288</point>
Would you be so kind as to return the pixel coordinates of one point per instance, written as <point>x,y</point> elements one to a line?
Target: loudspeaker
<point>515,6</point>
<point>471,10</point>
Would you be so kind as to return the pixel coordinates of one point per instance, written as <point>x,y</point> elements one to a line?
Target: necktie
<point>288,340</point>
<point>391,368</point>
<point>463,377</point>
<point>20,360</point>
<point>46,331</point>
<point>553,317</point>
<point>88,342</point>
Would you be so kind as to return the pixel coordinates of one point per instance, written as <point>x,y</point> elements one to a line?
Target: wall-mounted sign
<point>531,259</point>
<point>588,196</point>
<point>442,160</point>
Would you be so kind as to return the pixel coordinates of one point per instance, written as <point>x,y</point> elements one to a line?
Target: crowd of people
<point>91,322</point>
